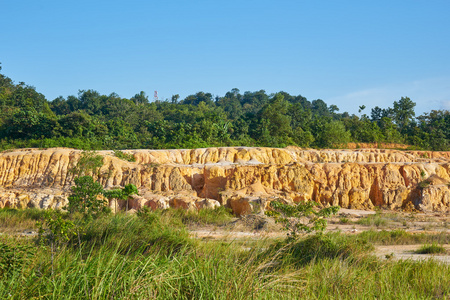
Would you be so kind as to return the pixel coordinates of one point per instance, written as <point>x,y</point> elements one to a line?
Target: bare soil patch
<point>398,252</point>
<point>348,221</point>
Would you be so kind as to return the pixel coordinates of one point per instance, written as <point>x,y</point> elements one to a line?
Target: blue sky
<point>347,53</point>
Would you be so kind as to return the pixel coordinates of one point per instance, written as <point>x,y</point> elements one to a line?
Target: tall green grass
<point>218,216</point>
<point>401,237</point>
<point>151,256</point>
<point>12,219</point>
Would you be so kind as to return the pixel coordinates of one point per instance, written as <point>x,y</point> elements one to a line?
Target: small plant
<point>301,218</point>
<point>124,156</point>
<point>431,249</point>
<point>55,231</point>
<point>344,220</point>
<point>88,164</point>
<point>424,183</point>
<point>153,165</point>
<point>373,220</point>
<point>389,256</point>
<point>423,173</point>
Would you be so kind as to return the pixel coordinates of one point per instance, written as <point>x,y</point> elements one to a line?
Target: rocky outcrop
<point>244,179</point>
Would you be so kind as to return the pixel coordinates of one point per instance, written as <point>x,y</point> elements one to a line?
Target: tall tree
<point>403,112</point>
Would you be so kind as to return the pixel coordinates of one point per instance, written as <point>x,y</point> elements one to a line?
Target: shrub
<point>318,247</point>
<point>424,183</point>
<point>431,249</point>
<point>88,164</point>
<point>301,218</point>
<point>124,156</point>
<point>86,197</point>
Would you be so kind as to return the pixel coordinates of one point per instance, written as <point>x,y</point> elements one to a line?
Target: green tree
<point>86,197</point>
<point>275,121</point>
<point>301,218</point>
<point>122,193</point>
<point>140,98</point>
<point>175,98</point>
<point>330,134</point>
<point>403,112</point>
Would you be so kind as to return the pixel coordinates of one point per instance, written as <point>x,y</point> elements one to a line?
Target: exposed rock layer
<point>241,178</point>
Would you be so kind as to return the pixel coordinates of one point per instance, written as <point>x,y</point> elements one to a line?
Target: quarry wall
<point>238,177</point>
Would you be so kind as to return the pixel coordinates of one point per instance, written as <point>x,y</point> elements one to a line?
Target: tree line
<point>92,121</point>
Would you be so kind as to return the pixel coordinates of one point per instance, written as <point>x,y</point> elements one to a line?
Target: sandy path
<point>402,252</point>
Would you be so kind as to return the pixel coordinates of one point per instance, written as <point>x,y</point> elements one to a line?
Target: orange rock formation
<point>242,178</point>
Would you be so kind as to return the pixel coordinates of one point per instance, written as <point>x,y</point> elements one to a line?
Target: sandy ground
<point>349,222</point>
<point>407,252</point>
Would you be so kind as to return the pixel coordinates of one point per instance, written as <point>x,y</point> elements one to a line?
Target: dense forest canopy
<point>94,121</point>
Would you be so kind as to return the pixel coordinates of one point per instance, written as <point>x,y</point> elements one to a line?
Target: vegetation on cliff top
<point>94,121</point>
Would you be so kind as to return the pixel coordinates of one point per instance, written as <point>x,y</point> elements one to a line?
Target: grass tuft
<point>431,249</point>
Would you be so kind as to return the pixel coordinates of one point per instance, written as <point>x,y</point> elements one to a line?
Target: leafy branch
<point>304,217</point>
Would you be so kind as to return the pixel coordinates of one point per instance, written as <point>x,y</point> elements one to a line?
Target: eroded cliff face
<point>245,179</point>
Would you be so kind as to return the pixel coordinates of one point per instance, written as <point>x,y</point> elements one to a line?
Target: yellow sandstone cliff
<point>245,179</point>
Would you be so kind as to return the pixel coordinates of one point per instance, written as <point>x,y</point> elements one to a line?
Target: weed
<point>423,173</point>
<point>217,216</point>
<point>12,219</point>
<point>344,220</point>
<point>153,165</point>
<point>423,184</point>
<point>425,155</point>
<point>401,237</point>
<point>89,163</point>
<point>373,220</point>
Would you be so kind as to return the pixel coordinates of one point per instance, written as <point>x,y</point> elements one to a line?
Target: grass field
<point>151,255</point>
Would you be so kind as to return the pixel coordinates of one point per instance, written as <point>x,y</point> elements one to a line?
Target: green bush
<point>301,218</point>
<point>86,197</point>
<point>124,156</point>
<point>318,247</point>
<point>431,249</point>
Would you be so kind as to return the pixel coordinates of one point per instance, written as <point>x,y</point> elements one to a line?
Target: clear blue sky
<point>348,53</point>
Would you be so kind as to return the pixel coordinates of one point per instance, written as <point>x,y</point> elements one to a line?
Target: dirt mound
<point>255,223</point>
